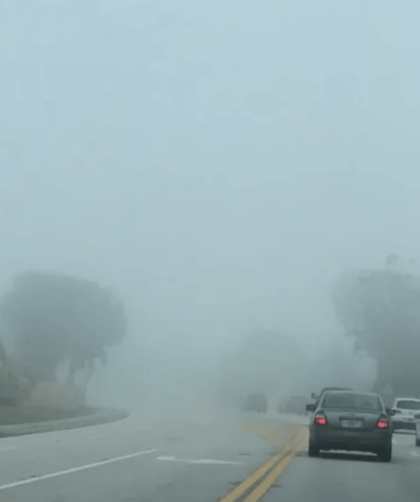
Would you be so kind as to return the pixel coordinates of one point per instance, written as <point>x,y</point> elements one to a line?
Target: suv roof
<point>407,399</point>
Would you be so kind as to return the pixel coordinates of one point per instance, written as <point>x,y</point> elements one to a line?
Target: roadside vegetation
<point>380,310</point>
<point>262,361</point>
<point>54,324</point>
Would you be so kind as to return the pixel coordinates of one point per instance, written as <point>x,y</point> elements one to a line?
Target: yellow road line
<point>266,484</point>
<point>283,458</point>
<point>263,487</point>
<point>237,492</point>
<point>272,432</point>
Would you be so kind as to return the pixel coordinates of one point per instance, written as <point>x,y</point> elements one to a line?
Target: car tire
<point>385,455</point>
<point>417,442</point>
<point>313,450</point>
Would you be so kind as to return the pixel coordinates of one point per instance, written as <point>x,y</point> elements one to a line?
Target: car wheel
<point>417,442</point>
<point>313,450</point>
<point>385,455</point>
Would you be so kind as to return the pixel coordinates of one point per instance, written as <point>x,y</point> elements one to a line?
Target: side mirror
<point>390,412</point>
<point>313,395</point>
<point>310,407</point>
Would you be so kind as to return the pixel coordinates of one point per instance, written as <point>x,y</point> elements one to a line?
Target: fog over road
<point>194,456</point>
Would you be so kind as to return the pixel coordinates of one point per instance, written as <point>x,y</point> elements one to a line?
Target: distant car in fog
<point>350,421</point>
<point>293,404</point>
<point>406,410</point>
<point>255,402</point>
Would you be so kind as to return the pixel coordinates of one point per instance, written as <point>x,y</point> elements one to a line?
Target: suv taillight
<point>320,419</point>
<point>382,423</point>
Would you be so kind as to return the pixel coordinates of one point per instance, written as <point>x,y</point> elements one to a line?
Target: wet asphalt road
<point>342,477</point>
<point>198,456</point>
<point>195,456</point>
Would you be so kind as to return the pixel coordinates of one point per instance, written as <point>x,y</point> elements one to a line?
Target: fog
<point>219,164</point>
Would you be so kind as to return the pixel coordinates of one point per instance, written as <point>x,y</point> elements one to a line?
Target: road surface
<point>352,477</point>
<point>197,456</point>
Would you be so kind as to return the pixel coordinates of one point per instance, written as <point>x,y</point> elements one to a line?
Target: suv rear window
<point>354,401</point>
<point>407,404</point>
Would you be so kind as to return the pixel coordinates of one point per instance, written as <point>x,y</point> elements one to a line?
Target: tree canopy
<point>52,318</point>
<point>380,310</point>
<point>263,361</point>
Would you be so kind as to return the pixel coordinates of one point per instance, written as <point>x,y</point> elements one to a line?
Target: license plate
<point>351,423</point>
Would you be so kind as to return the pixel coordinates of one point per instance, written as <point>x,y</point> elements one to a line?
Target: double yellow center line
<point>253,488</point>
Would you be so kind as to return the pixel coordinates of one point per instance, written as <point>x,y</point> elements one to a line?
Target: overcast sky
<point>218,162</point>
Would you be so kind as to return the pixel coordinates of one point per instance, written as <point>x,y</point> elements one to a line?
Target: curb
<point>101,417</point>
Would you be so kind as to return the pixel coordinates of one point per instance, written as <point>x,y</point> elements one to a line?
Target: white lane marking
<point>394,441</point>
<point>7,448</point>
<point>414,453</point>
<point>35,479</point>
<point>199,461</point>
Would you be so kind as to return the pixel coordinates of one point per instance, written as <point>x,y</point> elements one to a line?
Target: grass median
<point>15,415</point>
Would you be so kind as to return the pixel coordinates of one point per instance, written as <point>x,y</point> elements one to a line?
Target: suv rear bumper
<point>332,439</point>
<point>403,425</point>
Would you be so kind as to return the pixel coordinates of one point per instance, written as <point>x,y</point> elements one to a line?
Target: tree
<point>3,357</point>
<point>263,361</point>
<point>380,310</point>
<point>54,318</point>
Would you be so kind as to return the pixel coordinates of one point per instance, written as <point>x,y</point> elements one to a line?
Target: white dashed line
<point>414,453</point>
<point>35,479</point>
<point>7,448</point>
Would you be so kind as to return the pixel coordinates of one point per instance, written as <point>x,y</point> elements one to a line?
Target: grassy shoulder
<point>13,415</point>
